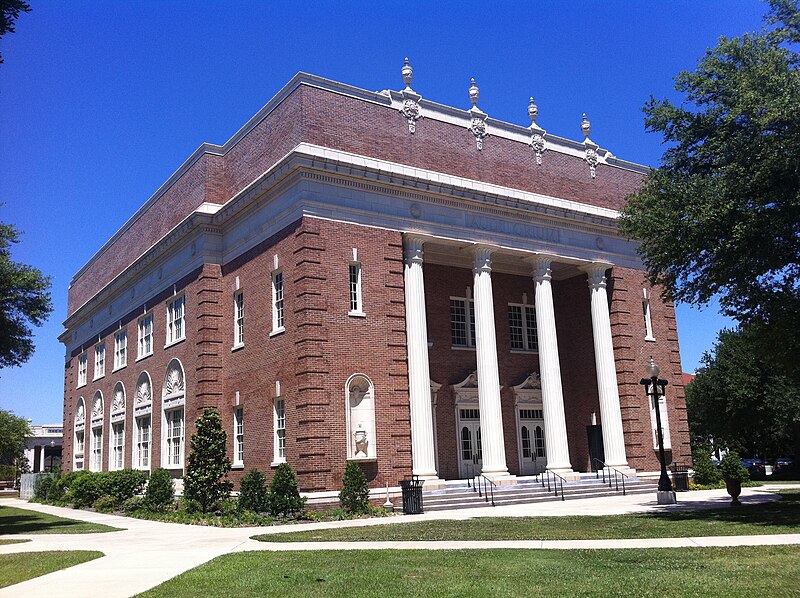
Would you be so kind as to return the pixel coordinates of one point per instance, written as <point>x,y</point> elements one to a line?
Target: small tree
<point>354,496</point>
<point>284,497</point>
<point>705,473</point>
<point>732,469</point>
<point>208,463</point>
<point>160,492</point>
<point>253,495</point>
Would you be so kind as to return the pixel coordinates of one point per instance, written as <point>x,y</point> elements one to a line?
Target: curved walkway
<point>147,553</point>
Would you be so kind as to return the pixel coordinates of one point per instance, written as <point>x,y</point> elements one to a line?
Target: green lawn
<point>746,571</point>
<point>771,518</point>
<point>3,542</point>
<point>15,568</point>
<point>24,521</point>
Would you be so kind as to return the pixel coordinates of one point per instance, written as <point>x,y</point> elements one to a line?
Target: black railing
<point>553,481</point>
<point>614,475</point>
<point>483,486</point>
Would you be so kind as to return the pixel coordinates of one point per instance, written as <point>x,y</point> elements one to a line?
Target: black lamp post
<point>655,388</point>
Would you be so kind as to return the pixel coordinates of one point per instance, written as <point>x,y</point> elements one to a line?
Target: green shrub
<point>132,504</point>
<point>705,473</point>
<point>123,484</point>
<point>253,495</point>
<point>284,493</point>
<point>208,463</point>
<point>732,469</point>
<point>354,496</point>
<point>62,485</point>
<point>8,472</point>
<point>42,486</point>
<point>160,494</point>
<point>85,489</point>
<point>105,504</point>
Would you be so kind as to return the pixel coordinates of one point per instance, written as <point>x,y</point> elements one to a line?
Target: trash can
<point>412,496</point>
<point>680,477</point>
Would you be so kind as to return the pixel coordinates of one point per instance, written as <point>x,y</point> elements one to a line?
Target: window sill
<point>172,467</point>
<point>98,378</point>
<point>237,466</point>
<point>237,347</point>
<point>277,463</point>
<point>649,339</point>
<point>145,356</point>
<point>461,348</point>
<point>278,331</point>
<point>141,468</point>
<point>363,459</point>
<point>122,367</point>
<point>175,342</point>
<point>356,314</point>
<point>525,351</point>
<point>81,385</point>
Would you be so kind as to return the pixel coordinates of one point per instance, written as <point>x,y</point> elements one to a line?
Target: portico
<point>536,417</point>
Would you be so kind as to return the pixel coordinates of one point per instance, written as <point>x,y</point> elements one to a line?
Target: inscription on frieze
<point>517,229</point>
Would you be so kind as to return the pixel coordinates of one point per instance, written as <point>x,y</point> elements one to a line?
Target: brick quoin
<point>323,345</point>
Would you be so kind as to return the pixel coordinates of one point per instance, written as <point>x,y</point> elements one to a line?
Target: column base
<point>432,483</point>
<point>565,472</point>
<point>628,471</point>
<point>501,478</point>
<point>666,497</point>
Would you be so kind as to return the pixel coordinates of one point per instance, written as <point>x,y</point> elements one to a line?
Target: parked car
<point>785,468</point>
<point>757,468</point>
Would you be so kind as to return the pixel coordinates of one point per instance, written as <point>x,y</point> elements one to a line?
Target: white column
<point>607,389</point>
<point>419,379</point>
<point>555,425</point>
<point>492,443</point>
<point>41,459</point>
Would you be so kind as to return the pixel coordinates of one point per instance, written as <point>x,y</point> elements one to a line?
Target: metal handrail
<point>617,475</point>
<point>545,480</point>
<point>479,485</point>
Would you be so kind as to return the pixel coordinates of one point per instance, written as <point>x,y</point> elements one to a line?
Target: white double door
<point>470,460</point>
<point>532,451</point>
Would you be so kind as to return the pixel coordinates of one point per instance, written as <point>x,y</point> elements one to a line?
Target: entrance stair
<point>459,495</point>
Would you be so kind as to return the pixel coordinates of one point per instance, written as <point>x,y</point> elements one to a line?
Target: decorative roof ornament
<point>478,123</point>
<point>410,109</point>
<point>591,147</point>
<point>537,142</point>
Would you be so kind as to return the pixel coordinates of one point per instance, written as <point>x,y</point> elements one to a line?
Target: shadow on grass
<point>785,512</point>
<point>28,524</point>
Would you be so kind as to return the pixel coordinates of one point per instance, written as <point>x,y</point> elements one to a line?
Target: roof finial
<point>586,126</point>
<point>474,93</point>
<point>533,112</point>
<point>408,73</point>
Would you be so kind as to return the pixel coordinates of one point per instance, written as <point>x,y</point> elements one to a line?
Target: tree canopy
<point>743,399</point>
<point>9,12</point>
<point>13,431</point>
<point>721,215</point>
<point>24,301</point>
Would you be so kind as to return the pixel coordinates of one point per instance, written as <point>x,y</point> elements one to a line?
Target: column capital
<point>482,259</point>
<point>413,249</point>
<point>540,266</point>
<point>597,273</point>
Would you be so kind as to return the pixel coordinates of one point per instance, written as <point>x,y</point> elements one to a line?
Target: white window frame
<point>83,369</point>
<point>238,437</point>
<point>79,456</point>
<point>96,449</point>
<point>116,446</point>
<point>176,320</point>
<point>99,361</point>
<point>648,322</point>
<point>169,460</point>
<point>354,284</point>
<point>145,338</point>
<point>527,346</point>
<point>238,319</point>
<point>279,431</point>
<point>278,303</point>
<point>469,321</point>
<point>143,445</point>
<point>662,407</point>
<point>120,349</point>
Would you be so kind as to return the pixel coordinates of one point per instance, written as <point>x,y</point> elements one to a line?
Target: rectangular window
<point>99,361</point>
<point>277,301</point>
<point>662,408</point>
<point>238,436</point>
<point>238,319</point>
<point>145,335</point>
<point>356,307</point>
<point>522,327</point>
<point>648,324</point>
<point>174,438</point>
<point>83,366</point>
<point>79,447</point>
<point>176,324</point>
<point>142,457</point>
<point>280,430</point>
<point>117,444</point>
<point>462,322</point>
<point>120,349</point>
<point>96,456</point>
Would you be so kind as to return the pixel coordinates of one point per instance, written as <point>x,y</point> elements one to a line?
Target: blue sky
<point>101,101</point>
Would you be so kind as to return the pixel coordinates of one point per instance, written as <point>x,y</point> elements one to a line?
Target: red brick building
<point>374,276</point>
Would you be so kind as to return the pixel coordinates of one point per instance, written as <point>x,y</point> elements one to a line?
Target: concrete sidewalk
<point>147,553</point>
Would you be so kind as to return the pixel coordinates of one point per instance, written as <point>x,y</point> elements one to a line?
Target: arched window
<point>80,435</point>
<point>143,422</point>
<point>173,397</point>
<point>117,440</point>
<point>361,417</point>
<point>96,447</point>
